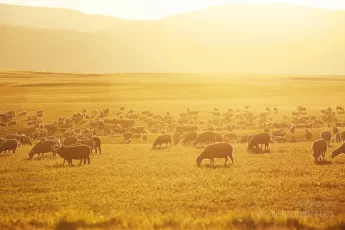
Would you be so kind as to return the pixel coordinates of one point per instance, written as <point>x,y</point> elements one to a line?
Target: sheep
<point>206,138</point>
<point>260,139</point>
<point>88,142</point>
<point>326,135</point>
<point>161,140</point>
<point>98,144</point>
<point>9,145</point>
<point>308,134</point>
<point>25,140</point>
<point>189,137</point>
<point>319,148</point>
<point>245,138</point>
<point>73,152</point>
<point>176,138</point>
<point>42,147</point>
<point>218,150</point>
<point>338,151</point>
<point>230,137</point>
<point>70,141</point>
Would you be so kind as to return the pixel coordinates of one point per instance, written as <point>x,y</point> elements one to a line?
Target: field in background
<point>132,186</point>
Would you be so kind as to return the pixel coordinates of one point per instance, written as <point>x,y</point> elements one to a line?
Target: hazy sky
<point>152,9</point>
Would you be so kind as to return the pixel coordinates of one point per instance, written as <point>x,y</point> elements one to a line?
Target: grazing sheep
<point>70,141</point>
<point>25,140</point>
<point>189,138</point>
<point>163,139</point>
<point>319,148</point>
<point>260,139</point>
<point>42,147</point>
<point>73,152</point>
<point>326,135</point>
<point>218,150</point>
<point>338,151</point>
<point>9,145</point>
<point>230,137</point>
<point>88,142</point>
<point>98,144</point>
<point>206,138</point>
<point>176,138</point>
<point>308,134</point>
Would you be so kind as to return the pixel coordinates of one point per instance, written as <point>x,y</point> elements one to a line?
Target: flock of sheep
<point>75,137</point>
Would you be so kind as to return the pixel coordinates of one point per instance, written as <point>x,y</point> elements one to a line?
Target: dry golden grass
<point>132,186</point>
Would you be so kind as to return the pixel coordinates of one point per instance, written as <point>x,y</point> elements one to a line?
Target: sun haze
<point>155,9</point>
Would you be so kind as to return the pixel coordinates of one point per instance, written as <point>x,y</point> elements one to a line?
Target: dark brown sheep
<point>70,141</point>
<point>218,150</point>
<point>206,138</point>
<point>338,151</point>
<point>326,135</point>
<point>163,139</point>
<point>189,138</point>
<point>73,152</point>
<point>42,147</point>
<point>319,148</point>
<point>260,139</point>
<point>9,145</point>
<point>98,144</point>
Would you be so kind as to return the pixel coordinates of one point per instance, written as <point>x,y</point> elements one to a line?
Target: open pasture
<point>137,187</point>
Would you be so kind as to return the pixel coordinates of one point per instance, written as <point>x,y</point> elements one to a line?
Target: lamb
<point>88,142</point>
<point>70,141</point>
<point>161,140</point>
<point>73,152</point>
<point>42,147</point>
<point>308,134</point>
<point>218,150</point>
<point>326,135</point>
<point>98,144</point>
<point>319,148</point>
<point>176,138</point>
<point>260,139</point>
<point>9,145</point>
<point>206,138</point>
<point>338,151</point>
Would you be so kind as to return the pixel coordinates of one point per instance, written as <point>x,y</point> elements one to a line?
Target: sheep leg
<point>81,160</point>
<point>84,160</point>
<point>96,150</point>
<point>232,159</point>
<point>226,160</point>
<point>88,160</point>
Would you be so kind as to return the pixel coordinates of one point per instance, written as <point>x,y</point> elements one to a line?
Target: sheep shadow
<point>162,148</point>
<point>207,166</point>
<point>323,162</point>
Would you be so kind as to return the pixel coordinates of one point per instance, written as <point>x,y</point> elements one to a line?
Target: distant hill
<point>54,18</point>
<point>239,38</point>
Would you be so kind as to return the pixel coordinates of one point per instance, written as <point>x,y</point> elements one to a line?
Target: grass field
<point>133,186</point>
